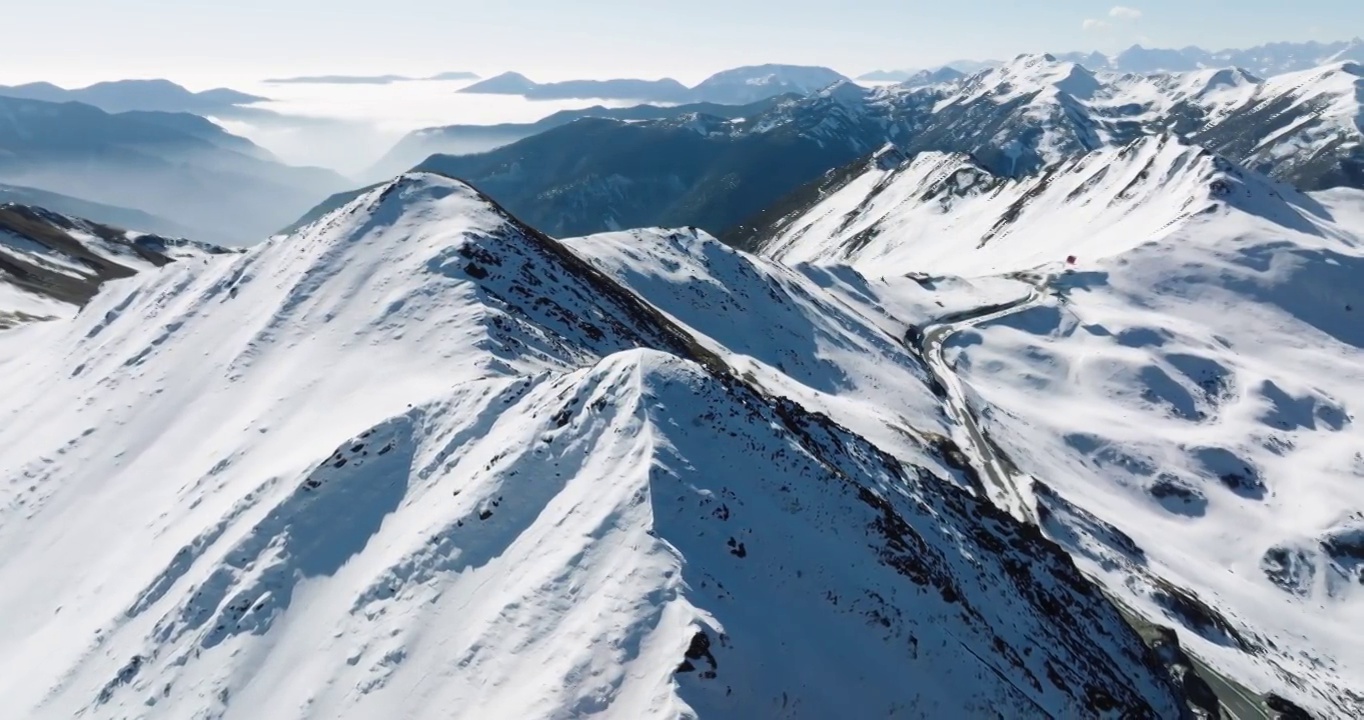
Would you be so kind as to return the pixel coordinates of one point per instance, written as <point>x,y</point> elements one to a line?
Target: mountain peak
<point>925,78</point>
<point>752,83</point>
<point>845,91</point>
<point>1028,74</point>
<point>508,83</point>
<point>447,243</point>
<point>1033,59</point>
<point>1233,76</point>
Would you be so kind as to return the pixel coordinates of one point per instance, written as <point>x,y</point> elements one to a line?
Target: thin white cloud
<point>1124,13</point>
<point>1097,26</point>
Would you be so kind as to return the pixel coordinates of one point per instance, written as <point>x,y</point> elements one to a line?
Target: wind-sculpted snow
<point>419,460</point>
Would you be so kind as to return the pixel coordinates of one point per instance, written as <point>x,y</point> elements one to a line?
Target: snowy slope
<point>944,214</point>
<point>1201,395</point>
<point>783,332</point>
<point>1188,404</point>
<point>1306,126</point>
<point>51,264</point>
<point>419,460</point>
<point>1210,94</point>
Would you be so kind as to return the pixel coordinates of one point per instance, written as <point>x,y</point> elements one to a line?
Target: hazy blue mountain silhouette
<point>176,166</point>
<point>124,95</point>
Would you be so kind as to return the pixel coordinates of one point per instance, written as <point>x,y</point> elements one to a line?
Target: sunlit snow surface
<point>1188,398</point>
<point>420,461</point>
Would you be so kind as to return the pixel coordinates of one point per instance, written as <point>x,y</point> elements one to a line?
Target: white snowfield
<point>420,461</point>
<point>1185,409</point>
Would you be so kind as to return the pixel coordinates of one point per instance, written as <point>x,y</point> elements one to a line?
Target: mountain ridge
<point>1268,59</point>
<point>124,95</point>
<point>738,86</point>
<point>418,145</point>
<point>1017,120</point>
<point>538,437</point>
<point>174,165</point>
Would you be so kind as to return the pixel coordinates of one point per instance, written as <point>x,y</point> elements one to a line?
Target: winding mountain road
<point>1002,487</point>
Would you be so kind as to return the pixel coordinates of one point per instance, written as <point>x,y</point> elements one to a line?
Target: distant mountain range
<point>1021,118</point>
<point>735,87</point>
<point>124,95</point>
<point>422,460</point>
<point>693,169</point>
<point>1263,60</point>
<point>97,212</point>
<point>1028,392</point>
<point>635,480</point>
<point>471,139</point>
<point>176,166</point>
<point>368,79</point>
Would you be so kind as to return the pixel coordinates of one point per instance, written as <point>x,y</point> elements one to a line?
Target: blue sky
<point>202,41</point>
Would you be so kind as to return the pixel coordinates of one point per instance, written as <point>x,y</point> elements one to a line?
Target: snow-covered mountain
<point>1269,59</point>
<point>1179,409</point>
<point>924,78</point>
<point>1306,126</point>
<point>719,170</point>
<point>753,83</point>
<point>940,212</point>
<point>1037,110</point>
<point>52,264</point>
<point>420,460</point>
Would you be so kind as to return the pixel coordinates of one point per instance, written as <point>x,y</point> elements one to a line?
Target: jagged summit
<point>1028,75</point>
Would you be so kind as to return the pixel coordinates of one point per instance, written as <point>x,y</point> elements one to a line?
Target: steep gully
<point>1001,485</point>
